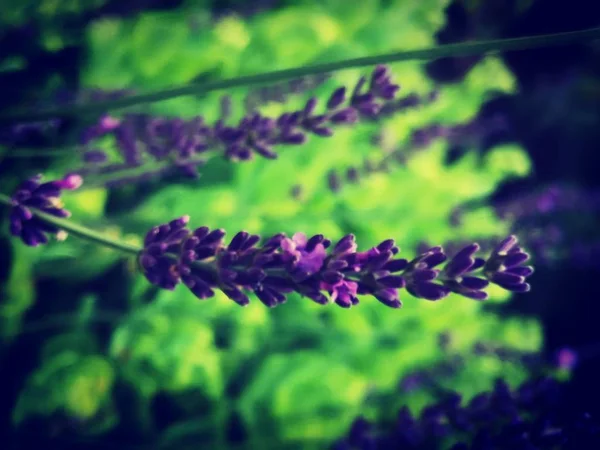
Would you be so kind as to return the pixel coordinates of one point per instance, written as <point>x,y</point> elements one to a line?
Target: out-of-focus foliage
<point>50,16</point>
<point>18,293</point>
<point>18,12</point>
<point>74,379</point>
<point>300,371</point>
<point>162,348</point>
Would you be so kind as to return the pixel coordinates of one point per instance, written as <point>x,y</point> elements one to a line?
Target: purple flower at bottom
<point>311,267</point>
<point>44,197</point>
<point>537,415</point>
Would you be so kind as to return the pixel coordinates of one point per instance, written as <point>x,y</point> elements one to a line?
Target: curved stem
<point>79,230</point>
<point>442,51</point>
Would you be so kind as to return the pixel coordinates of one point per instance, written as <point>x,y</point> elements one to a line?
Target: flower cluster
<point>318,269</point>
<point>44,197</point>
<point>181,144</point>
<point>534,416</point>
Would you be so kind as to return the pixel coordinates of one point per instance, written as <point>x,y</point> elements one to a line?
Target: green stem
<point>79,230</point>
<point>442,51</point>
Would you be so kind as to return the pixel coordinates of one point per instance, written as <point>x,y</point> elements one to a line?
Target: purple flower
<point>311,267</point>
<point>183,144</point>
<point>537,415</point>
<point>455,275</point>
<point>31,195</point>
<point>504,267</point>
<point>158,258</point>
<point>308,255</point>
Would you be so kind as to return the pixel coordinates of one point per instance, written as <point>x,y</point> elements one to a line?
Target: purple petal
<point>386,245</point>
<point>345,244</point>
<point>179,223</point>
<point>515,259</point>
<point>213,237</point>
<point>392,281</point>
<point>506,279</point>
<point>251,241</point>
<point>21,213</point>
<point>430,291</point>
<point>313,242</point>
<point>474,283</point>
<point>310,106</point>
<point>505,245</point>
<point>266,296</point>
<point>147,261</point>
<point>264,151</point>
<point>435,258</point>
<point>201,232</point>
<point>524,271</point>
<point>337,98</point>
<point>477,264</point>
<point>332,277</point>
<point>459,265</point>
<point>475,294</point>
<point>388,297</point>
<point>345,116</point>
<point>424,275</point>
<point>237,296</point>
<point>322,131</point>
<point>395,265</point>
<point>237,241</point>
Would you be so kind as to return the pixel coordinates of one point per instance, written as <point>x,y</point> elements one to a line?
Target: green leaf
<point>77,384</point>
<point>165,350</point>
<point>299,397</point>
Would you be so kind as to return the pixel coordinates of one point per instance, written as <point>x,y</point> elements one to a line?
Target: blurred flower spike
<point>182,146</point>
<point>44,197</point>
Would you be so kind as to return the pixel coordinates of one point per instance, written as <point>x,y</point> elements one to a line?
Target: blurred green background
<point>117,360</point>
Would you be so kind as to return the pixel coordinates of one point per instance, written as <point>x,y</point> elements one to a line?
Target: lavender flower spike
<point>44,197</point>
<point>536,415</point>
<point>183,145</point>
<point>309,266</point>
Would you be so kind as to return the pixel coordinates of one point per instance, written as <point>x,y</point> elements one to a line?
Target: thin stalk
<point>79,230</point>
<point>442,51</point>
